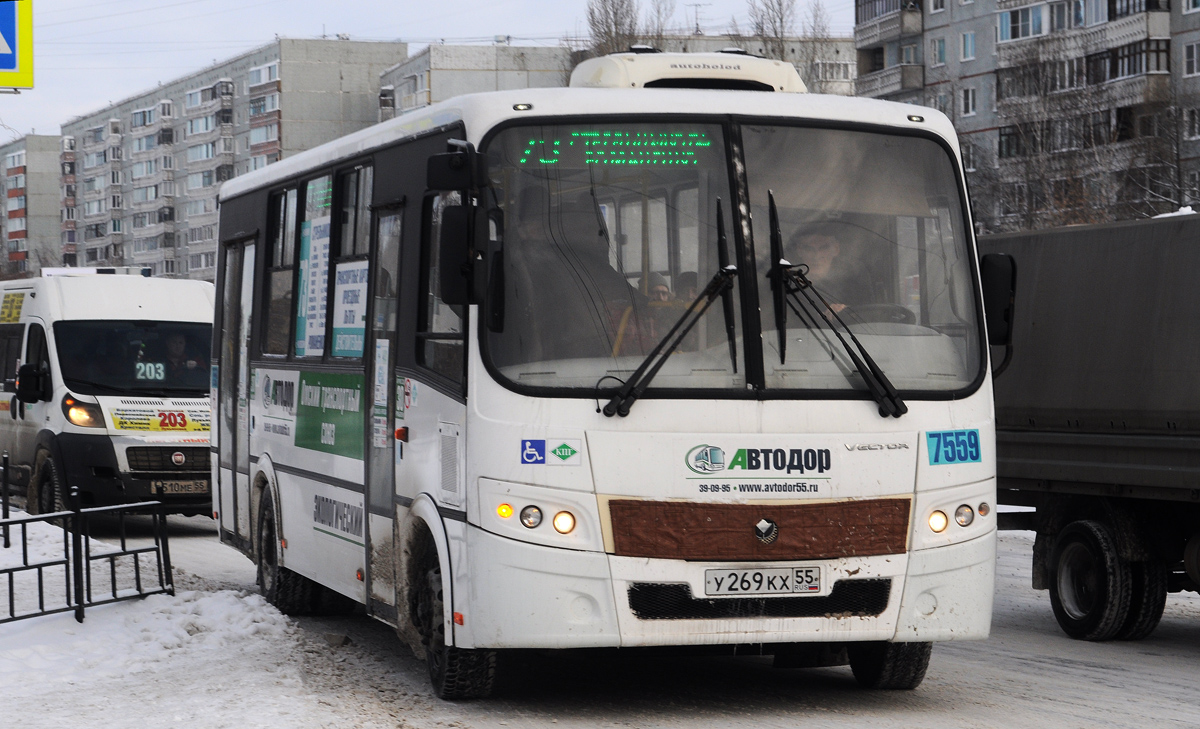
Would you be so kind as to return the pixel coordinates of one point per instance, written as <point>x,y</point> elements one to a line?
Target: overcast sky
<point>89,54</point>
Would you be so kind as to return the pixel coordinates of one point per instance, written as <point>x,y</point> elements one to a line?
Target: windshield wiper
<point>793,280</point>
<point>727,291</point>
<point>641,377</point>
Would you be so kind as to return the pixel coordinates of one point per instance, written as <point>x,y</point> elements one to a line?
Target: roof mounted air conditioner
<point>642,69</point>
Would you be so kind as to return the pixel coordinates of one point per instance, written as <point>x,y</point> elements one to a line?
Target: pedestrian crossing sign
<point>16,44</point>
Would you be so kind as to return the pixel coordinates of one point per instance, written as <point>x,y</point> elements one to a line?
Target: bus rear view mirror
<point>29,383</point>
<point>998,275</point>
<point>456,247</point>
<point>449,171</point>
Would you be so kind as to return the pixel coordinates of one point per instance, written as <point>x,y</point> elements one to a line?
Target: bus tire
<point>1147,601</point>
<point>1090,585</point>
<point>456,673</point>
<point>291,593</point>
<point>890,666</point>
<point>45,494</point>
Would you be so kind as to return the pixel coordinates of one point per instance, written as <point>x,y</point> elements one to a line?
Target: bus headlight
<point>964,515</point>
<point>938,521</point>
<point>83,414</point>
<point>564,522</point>
<point>531,516</point>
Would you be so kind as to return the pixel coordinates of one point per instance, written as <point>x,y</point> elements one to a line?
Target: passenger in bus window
<point>687,286</point>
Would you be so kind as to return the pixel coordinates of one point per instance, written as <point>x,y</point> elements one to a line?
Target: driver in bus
<point>818,247</point>
<point>182,365</point>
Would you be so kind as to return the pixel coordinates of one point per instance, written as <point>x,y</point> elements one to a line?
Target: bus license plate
<point>776,581</point>
<point>180,487</point>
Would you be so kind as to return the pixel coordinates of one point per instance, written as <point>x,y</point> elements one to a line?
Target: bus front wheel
<point>45,488</point>
<point>291,593</point>
<point>890,665</point>
<point>456,673</point>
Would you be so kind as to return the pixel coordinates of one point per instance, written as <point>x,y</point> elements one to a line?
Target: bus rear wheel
<point>456,673</point>
<point>291,593</point>
<point>891,666</point>
<point>1091,586</point>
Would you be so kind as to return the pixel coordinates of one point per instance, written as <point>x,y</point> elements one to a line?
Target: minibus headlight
<point>531,516</point>
<point>938,521</point>
<point>83,414</point>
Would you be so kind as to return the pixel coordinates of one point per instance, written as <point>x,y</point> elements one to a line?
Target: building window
<point>260,135</point>
<point>1023,23</point>
<point>1191,56</point>
<point>968,46</point>
<point>143,144</point>
<point>201,125</point>
<point>908,54</point>
<point>16,159</point>
<point>145,194</point>
<point>937,51</point>
<point>16,203</point>
<point>116,225</point>
<point>95,159</point>
<point>201,233</point>
<point>197,180</point>
<point>968,102</point>
<point>200,207</point>
<point>263,74</point>
<point>142,118</point>
<point>202,260</point>
<point>264,104</point>
<point>144,169</point>
<point>937,6</point>
<point>200,152</point>
<point>1193,187</point>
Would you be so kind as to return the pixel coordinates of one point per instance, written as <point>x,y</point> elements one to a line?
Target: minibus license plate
<point>776,581</point>
<point>180,487</point>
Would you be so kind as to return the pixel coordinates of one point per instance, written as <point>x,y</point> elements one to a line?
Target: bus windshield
<point>134,357</point>
<point>876,222</point>
<point>607,232</point>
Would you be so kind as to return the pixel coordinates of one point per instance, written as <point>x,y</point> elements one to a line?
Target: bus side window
<point>36,353</point>
<point>352,268</point>
<point>10,353</point>
<point>281,273</point>
<point>313,288</point>
<point>440,336</point>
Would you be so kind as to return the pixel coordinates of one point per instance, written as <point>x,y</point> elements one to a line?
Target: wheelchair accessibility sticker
<point>561,452</point>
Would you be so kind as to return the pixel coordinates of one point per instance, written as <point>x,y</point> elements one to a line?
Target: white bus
<point>109,379</point>
<point>678,355</point>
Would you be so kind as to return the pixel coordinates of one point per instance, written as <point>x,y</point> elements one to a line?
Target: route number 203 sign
<point>161,420</point>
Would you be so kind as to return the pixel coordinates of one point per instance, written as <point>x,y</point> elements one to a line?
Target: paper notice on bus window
<point>350,308</point>
<point>10,308</point>
<point>312,293</point>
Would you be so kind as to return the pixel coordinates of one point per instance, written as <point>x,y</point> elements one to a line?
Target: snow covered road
<point>216,655</point>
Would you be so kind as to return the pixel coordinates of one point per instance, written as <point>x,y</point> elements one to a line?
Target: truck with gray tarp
<point>1098,417</point>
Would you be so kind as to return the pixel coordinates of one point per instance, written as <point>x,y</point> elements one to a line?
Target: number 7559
<point>953,446</point>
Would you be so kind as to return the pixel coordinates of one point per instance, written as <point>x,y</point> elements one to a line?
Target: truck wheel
<point>45,487</point>
<point>1090,585</point>
<point>1148,598</point>
<point>291,593</point>
<point>456,673</point>
<point>890,665</point>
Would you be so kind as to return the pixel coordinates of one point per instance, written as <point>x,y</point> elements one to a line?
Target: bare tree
<point>773,23</point>
<point>658,20</point>
<point>613,25</point>
<point>815,47</point>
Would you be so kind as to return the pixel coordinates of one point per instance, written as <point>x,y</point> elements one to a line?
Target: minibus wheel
<point>889,665</point>
<point>456,673</point>
<point>45,488</point>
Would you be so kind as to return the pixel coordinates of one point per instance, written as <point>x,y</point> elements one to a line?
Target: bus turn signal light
<point>402,435</point>
<point>504,511</point>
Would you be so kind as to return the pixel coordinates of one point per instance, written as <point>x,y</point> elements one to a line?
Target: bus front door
<point>233,438</point>
<point>385,433</point>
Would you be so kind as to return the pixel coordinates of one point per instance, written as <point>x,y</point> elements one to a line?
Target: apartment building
<point>1074,111</point>
<point>440,72</point>
<point>140,177</point>
<point>29,226</point>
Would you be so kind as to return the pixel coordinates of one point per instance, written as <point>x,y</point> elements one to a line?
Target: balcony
<point>905,77</point>
<point>888,27</point>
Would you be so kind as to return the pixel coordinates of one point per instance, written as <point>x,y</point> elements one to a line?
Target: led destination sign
<point>615,147</point>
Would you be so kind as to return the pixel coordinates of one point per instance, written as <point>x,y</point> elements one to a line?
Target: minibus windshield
<point>134,357</point>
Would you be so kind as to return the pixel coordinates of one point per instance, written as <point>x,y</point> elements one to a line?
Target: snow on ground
<point>216,655</point>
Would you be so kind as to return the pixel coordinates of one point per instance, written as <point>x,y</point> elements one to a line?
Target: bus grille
<point>160,459</point>
<point>849,598</point>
